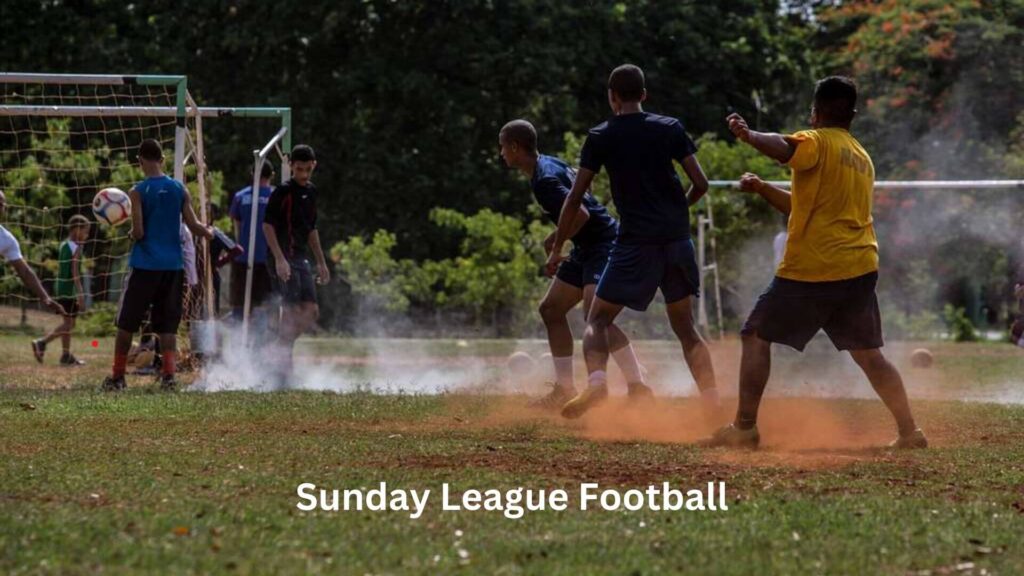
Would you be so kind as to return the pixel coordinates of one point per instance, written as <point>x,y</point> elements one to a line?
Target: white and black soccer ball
<point>112,206</point>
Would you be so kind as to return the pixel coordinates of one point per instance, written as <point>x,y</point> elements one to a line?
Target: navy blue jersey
<point>638,150</point>
<point>160,246</point>
<point>551,183</point>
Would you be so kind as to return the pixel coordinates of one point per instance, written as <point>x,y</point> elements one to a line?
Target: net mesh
<point>51,167</point>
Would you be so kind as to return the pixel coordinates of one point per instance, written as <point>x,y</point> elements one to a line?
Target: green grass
<point>205,483</point>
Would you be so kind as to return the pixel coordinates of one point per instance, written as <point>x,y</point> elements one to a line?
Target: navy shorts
<point>584,265</point>
<point>635,272</point>
<point>300,286</point>
<point>791,312</point>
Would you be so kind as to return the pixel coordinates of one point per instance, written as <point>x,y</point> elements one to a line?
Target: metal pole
<point>702,311</point>
<point>259,158</point>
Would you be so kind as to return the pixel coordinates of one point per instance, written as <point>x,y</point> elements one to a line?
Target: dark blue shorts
<point>635,272</point>
<point>300,287</point>
<point>584,265</point>
<point>791,312</point>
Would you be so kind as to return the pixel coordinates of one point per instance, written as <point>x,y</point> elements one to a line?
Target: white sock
<point>563,372</point>
<point>625,357</point>
<point>597,378</point>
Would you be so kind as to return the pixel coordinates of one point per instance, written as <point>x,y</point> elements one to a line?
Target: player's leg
<point>140,287</point>
<point>61,331</point>
<point>166,315</point>
<point>621,350</point>
<point>856,326</point>
<point>67,358</point>
<point>697,355</point>
<point>561,297</point>
<point>788,312</point>
<point>595,351</point>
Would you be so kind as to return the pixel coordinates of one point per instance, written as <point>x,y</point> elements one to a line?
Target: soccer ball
<point>521,365</point>
<point>921,358</point>
<point>112,206</point>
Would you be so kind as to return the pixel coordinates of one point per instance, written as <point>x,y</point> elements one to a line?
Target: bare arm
<point>779,198</point>
<point>698,181</point>
<point>323,273</point>
<point>138,232</point>
<point>192,222</point>
<point>281,266</point>
<point>571,211</point>
<point>774,146</point>
<point>31,281</point>
<point>236,230</point>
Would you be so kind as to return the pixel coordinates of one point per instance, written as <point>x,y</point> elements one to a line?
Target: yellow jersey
<point>830,231</point>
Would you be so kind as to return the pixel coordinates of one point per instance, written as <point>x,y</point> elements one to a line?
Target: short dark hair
<point>78,221</point>
<point>520,132</point>
<point>627,82</point>
<point>302,153</point>
<point>835,98</point>
<point>151,150</point>
<point>267,171</point>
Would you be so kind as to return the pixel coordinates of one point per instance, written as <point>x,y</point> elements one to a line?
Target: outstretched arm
<point>779,199</point>
<point>31,281</point>
<point>568,218</point>
<point>774,146</point>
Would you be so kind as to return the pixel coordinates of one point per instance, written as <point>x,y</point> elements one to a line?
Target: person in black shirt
<point>577,276</point>
<point>653,249</point>
<point>290,229</point>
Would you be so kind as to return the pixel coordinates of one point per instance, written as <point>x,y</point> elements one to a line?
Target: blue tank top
<point>160,247</point>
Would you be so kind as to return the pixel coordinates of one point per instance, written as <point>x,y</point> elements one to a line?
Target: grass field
<point>202,483</point>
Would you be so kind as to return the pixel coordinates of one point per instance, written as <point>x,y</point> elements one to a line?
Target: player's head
<point>302,161</point>
<point>626,86</point>
<point>517,141</point>
<point>78,228</point>
<point>267,172</point>
<point>835,102</point>
<point>151,156</point>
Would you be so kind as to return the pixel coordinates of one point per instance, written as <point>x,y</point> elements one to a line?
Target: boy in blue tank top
<point>155,275</point>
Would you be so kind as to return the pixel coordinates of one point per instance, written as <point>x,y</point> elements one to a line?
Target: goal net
<point>65,137</point>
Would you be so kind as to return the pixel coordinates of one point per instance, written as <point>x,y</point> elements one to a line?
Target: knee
<point>754,342</point>
<point>687,334</point>
<point>549,312</point>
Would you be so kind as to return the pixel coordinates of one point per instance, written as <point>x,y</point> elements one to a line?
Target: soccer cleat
<point>637,391</point>
<point>38,350</point>
<point>730,436</point>
<point>114,384</point>
<point>590,397</point>
<point>914,440</point>
<point>68,359</point>
<point>553,400</point>
<point>168,383</point>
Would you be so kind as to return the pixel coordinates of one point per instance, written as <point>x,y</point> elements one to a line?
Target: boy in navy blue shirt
<point>653,249</point>
<point>593,232</point>
<point>155,277</point>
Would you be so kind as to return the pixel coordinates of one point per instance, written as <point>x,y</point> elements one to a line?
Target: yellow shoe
<point>590,397</point>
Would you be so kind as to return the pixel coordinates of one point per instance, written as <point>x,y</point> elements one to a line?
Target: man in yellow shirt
<point>829,270</point>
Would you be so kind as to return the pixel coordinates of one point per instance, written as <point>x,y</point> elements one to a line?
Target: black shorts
<point>300,287</point>
<point>261,287</point>
<point>158,292</point>
<point>635,272</point>
<point>584,265</point>
<point>70,306</point>
<point>791,312</point>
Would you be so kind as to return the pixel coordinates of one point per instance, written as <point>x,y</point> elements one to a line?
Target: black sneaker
<point>38,350</point>
<point>68,359</point>
<point>168,383</point>
<point>114,384</point>
<point>553,400</point>
<point>732,437</point>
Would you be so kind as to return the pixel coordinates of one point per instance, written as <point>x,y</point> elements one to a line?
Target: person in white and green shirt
<point>67,290</point>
